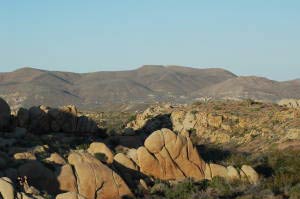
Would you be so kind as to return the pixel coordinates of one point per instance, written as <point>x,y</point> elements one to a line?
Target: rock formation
<point>292,103</point>
<point>44,119</point>
<point>4,115</point>
<point>168,156</point>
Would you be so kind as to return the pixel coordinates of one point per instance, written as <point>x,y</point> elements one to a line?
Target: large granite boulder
<point>95,180</point>
<point>168,156</point>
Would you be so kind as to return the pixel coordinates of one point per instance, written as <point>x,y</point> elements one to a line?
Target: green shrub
<point>182,190</point>
<point>294,192</point>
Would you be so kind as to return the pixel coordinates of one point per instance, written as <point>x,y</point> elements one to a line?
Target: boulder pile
<point>42,119</point>
<point>168,156</point>
<point>292,103</point>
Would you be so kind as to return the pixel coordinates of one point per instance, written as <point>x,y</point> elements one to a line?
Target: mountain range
<point>147,84</point>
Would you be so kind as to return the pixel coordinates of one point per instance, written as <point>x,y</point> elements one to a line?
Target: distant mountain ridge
<point>147,84</point>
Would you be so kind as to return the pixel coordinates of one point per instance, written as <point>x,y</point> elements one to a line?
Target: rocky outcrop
<point>95,180</point>
<point>4,115</point>
<point>44,119</point>
<point>292,103</point>
<point>168,156</point>
<point>152,119</point>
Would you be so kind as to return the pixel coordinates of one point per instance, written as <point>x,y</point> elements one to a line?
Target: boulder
<point>4,115</point>
<point>55,158</point>
<point>99,148</point>
<point>66,178</point>
<point>125,161</point>
<point>248,173</point>
<point>69,195</point>
<point>168,156</point>
<point>24,156</point>
<point>96,180</point>
<point>7,190</point>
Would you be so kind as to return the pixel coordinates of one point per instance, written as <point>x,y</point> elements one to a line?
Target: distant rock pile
<point>292,103</point>
<point>42,119</point>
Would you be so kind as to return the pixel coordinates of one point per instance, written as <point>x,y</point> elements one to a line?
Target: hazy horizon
<point>247,38</point>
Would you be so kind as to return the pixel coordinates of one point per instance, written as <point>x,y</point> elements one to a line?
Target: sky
<point>249,37</point>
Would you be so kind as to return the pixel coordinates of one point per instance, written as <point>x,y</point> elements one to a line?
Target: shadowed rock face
<point>4,115</point>
<point>44,119</point>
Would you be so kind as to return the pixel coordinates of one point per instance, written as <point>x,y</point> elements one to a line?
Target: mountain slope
<point>257,88</point>
<point>147,84</point>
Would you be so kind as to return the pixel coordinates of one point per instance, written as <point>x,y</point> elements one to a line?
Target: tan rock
<point>232,173</point>
<point>155,142</point>
<point>69,195</point>
<point>250,174</point>
<point>56,159</point>
<point>7,190</point>
<point>169,156</point>
<point>101,148</point>
<point>66,178</point>
<point>125,161</point>
<point>218,170</point>
<point>96,180</point>
<point>24,156</point>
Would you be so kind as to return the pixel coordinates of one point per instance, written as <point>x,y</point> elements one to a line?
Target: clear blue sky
<point>258,37</point>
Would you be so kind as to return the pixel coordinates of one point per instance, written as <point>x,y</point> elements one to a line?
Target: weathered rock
<point>232,173</point>
<point>69,195</point>
<point>95,180</point>
<point>249,173</point>
<point>218,170</point>
<point>66,178</point>
<point>4,115</point>
<point>25,156</point>
<point>169,156</point>
<point>7,190</point>
<point>99,148</point>
<point>56,159</point>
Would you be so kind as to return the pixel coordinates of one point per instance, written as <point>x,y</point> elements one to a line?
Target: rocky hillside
<point>215,149</point>
<point>135,89</point>
<point>241,125</point>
